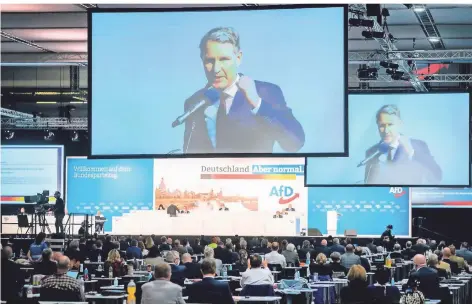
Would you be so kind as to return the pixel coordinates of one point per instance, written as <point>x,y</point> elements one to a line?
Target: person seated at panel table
<point>290,208</point>
<point>185,210</point>
<point>277,215</point>
<point>223,207</point>
<point>160,207</point>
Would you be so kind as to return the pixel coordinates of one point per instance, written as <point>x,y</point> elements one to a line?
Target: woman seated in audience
<point>241,265</point>
<point>336,263</point>
<point>115,261</point>
<point>381,292</point>
<point>291,255</point>
<point>209,253</point>
<point>143,249</point>
<point>320,266</point>
<point>149,243</point>
<point>356,292</point>
<point>36,249</point>
<point>283,246</point>
<point>154,257</point>
<point>46,266</point>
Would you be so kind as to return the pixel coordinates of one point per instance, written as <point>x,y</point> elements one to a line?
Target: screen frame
<point>92,11</point>
<point>393,92</point>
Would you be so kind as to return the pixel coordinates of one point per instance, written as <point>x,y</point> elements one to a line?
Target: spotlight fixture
<point>397,75</point>
<point>367,73</point>
<point>373,34</point>
<point>8,134</point>
<point>49,135</point>
<point>390,65</point>
<point>368,23</point>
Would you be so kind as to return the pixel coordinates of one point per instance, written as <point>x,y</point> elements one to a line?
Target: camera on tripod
<point>42,202</point>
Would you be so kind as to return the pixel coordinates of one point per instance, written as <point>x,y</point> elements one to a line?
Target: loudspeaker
<point>314,232</point>
<point>373,10</point>
<point>350,233</point>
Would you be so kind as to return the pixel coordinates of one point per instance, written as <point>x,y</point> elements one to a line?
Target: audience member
<point>420,247</point>
<point>179,248</point>
<point>427,277</point>
<point>381,292</point>
<point>134,251</point>
<point>408,253</point>
<point>433,263</point>
<point>336,263</point>
<point>178,272</point>
<point>274,257</point>
<point>12,277</point>
<point>336,247</point>
<point>115,261</point>
<point>74,254</point>
<point>123,244</point>
<point>447,259</point>
<point>214,242</point>
<point>209,253</point>
<point>107,245</point>
<point>154,257</point>
<point>304,250</point>
<point>162,290</point>
<point>46,266</point>
<point>264,248</point>
<point>242,264</point>
<point>37,247</point>
<point>197,248</point>
<point>96,252</point>
<point>186,245</point>
<point>397,252</point>
<point>209,290</point>
<point>364,261</point>
<point>192,270</point>
<point>164,246</point>
<point>321,267</point>
<point>356,292</point>
<point>461,263</point>
<point>349,258</point>
<point>60,287</point>
<point>372,247</point>
<point>465,253</point>
<point>291,256</point>
<point>257,273</point>
<point>441,263</point>
<point>322,248</point>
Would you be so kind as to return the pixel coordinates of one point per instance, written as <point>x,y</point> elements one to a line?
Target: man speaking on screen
<point>398,159</point>
<point>241,115</point>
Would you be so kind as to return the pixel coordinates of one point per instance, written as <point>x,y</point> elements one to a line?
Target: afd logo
<point>397,191</point>
<point>284,191</point>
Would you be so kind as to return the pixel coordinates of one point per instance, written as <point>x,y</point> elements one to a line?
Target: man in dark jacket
<point>12,277</point>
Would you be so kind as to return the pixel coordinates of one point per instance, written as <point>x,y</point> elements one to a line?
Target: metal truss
<point>14,114</point>
<point>388,46</point>
<point>80,59</point>
<point>428,78</point>
<point>45,123</point>
<point>462,56</point>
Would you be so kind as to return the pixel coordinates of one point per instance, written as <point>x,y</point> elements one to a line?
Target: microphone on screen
<point>382,149</point>
<point>211,96</point>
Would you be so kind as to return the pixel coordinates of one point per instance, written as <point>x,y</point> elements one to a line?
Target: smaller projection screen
<point>29,170</point>
<point>218,82</point>
<point>401,140</point>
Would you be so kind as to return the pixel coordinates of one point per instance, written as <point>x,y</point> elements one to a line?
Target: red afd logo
<point>397,191</point>
<point>284,191</point>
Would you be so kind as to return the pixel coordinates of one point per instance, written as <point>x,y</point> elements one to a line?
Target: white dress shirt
<point>393,147</point>
<point>275,258</point>
<point>257,276</point>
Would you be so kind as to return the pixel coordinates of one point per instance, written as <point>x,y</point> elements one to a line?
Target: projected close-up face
<point>221,61</point>
<point>389,127</point>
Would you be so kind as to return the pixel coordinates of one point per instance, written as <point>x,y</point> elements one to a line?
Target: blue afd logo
<point>281,191</point>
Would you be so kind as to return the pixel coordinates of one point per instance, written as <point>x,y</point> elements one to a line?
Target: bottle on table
<point>131,292</point>
<point>86,275</point>
<point>21,253</point>
<point>308,256</point>
<point>110,272</point>
<point>297,275</point>
<point>316,277</point>
<point>225,272</point>
<point>99,258</point>
<point>81,270</point>
<point>115,282</point>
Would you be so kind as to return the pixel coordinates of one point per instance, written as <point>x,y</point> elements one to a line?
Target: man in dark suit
<point>209,290</point>
<point>197,248</point>
<point>420,247</point>
<point>12,277</point>
<point>401,160</point>
<point>408,253</point>
<point>243,115</point>
<point>322,248</point>
<point>178,272</point>
<point>59,212</point>
<point>372,247</point>
<point>428,278</point>
<point>336,247</point>
<point>290,208</point>
<point>172,210</point>
<point>465,253</point>
<point>192,270</point>
<point>164,246</point>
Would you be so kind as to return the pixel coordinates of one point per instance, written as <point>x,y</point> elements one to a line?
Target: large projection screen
<point>30,169</point>
<point>401,140</point>
<point>218,82</point>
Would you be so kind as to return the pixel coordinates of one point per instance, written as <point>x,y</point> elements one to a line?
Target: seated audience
<point>322,248</point>
<point>420,247</point>
<point>349,258</point>
<point>164,246</point>
<point>74,254</point>
<point>465,253</point>
<point>372,247</point>
<point>264,248</point>
<point>446,258</point>
<point>197,248</point>
<point>108,245</point>
<point>12,277</point>
<point>304,250</point>
<point>192,270</point>
<point>149,244</point>
<point>408,253</point>
<point>178,272</point>
<point>441,263</point>
<point>117,264</point>
<point>364,261</point>
<point>133,251</point>
<point>142,247</point>
<point>162,290</point>
<point>61,287</point>
<point>427,277</point>
<point>274,257</point>
<point>433,263</point>
<point>214,242</point>
<point>179,248</point>
<point>321,267</point>
<point>187,246</point>
<point>257,273</point>
<point>336,247</point>
<point>336,263</point>
<point>209,253</point>
<point>123,244</point>
<point>397,252</point>
<point>96,252</point>
<point>37,247</point>
<point>291,256</point>
<point>209,290</point>
<point>357,291</point>
<point>381,292</point>
<point>241,264</point>
<point>46,266</point>
<point>154,257</point>
<point>461,262</point>
<point>234,254</point>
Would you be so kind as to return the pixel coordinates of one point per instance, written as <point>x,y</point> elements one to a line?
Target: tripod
<point>40,218</point>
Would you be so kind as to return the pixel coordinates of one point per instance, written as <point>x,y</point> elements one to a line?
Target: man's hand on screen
<point>406,143</point>
<point>248,88</point>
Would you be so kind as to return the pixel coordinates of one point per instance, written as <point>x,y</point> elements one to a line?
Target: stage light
<point>361,22</point>
<point>390,65</point>
<point>397,75</point>
<point>434,39</point>
<point>390,71</point>
<point>384,64</point>
<point>393,66</point>
<point>367,73</point>
<point>373,34</point>
<point>49,135</point>
<point>8,134</point>
<point>419,9</point>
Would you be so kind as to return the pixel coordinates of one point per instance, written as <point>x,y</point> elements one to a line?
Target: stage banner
<point>111,186</point>
<point>333,210</point>
<point>250,196</point>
